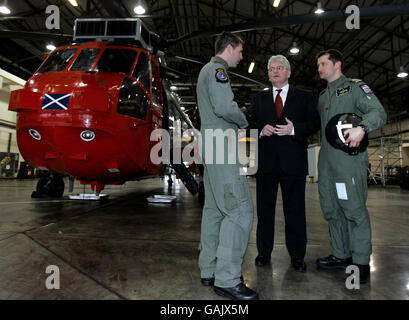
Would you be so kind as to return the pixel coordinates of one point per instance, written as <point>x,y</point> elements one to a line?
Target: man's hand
<point>284,130</point>
<point>268,130</point>
<point>355,136</point>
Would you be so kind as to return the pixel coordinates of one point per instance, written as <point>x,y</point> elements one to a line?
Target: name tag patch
<point>342,91</point>
<point>365,88</point>
<point>221,76</point>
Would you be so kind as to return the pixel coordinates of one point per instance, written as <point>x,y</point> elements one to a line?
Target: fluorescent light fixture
<point>50,47</point>
<point>74,3</point>
<point>294,49</point>
<point>251,67</point>
<point>139,9</point>
<point>173,88</point>
<point>319,9</point>
<point>265,89</point>
<point>276,3</point>
<point>4,10</point>
<point>402,73</point>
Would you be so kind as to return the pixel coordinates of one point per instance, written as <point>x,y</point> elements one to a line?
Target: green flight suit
<point>228,209</point>
<point>347,216</point>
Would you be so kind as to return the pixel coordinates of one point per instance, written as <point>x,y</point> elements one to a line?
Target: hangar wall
<point>8,142</point>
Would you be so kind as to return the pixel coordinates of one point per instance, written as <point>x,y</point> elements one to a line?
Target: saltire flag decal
<point>56,101</point>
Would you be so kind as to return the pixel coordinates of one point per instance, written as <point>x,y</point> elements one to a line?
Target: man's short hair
<point>334,55</point>
<point>226,38</point>
<point>279,58</point>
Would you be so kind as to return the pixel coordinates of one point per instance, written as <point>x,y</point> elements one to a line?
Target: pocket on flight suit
<point>326,199</point>
<point>230,200</point>
<point>348,197</point>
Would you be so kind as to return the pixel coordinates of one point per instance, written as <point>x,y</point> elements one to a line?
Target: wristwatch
<point>365,128</point>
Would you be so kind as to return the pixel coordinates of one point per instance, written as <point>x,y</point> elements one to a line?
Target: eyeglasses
<point>279,68</point>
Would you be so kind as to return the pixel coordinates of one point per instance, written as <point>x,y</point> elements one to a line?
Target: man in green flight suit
<point>342,177</point>
<point>228,209</point>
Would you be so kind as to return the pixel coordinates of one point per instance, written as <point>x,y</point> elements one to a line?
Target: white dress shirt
<point>283,93</point>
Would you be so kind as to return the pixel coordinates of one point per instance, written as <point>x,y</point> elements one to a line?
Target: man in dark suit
<point>285,116</point>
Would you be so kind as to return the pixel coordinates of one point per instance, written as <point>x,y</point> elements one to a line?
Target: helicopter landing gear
<point>170,180</point>
<point>49,185</point>
<point>186,177</point>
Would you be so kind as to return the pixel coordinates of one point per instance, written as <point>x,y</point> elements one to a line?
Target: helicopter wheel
<point>49,185</point>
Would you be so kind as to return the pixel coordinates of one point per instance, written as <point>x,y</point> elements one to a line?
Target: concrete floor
<point>125,248</point>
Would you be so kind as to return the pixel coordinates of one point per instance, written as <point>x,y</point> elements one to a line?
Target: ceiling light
<point>251,67</point>
<point>173,88</point>
<point>50,47</point>
<point>319,8</point>
<point>402,73</point>
<point>74,3</point>
<point>276,3</point>
<point>4,10</point>
<point>294,49</point>
<point>139,9</point>
<point>265,89</point>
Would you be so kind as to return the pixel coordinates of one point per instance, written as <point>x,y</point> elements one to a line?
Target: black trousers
<point>293,195</point>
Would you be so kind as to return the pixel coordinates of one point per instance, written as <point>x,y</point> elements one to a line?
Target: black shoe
<point>364,273</point>
<point>262,260</point>
<point>239,292</point>
<point>209,282</point>
<point>299,265</point>
<point>332,262</point>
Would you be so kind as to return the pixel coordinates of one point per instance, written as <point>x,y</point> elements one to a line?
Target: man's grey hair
<point>279,58</point>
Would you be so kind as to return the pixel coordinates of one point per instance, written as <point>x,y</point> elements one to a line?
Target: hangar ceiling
<point>374,52</point>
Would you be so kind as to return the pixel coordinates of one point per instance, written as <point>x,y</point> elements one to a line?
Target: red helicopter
<point>89,109</point>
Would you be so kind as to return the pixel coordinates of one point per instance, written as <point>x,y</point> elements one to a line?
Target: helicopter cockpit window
<point>58,60</point>
<point>141,71</point>
<point>132,100</point>
<point>117,60</point>
<point>85,59</point>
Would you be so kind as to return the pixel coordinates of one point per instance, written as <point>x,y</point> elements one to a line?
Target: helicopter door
<point>156,105</point>
<point>156,109</point>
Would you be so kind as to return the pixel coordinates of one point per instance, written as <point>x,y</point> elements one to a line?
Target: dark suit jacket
<point>286,153</point>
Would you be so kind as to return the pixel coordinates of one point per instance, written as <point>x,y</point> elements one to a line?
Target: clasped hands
<point>279,129</point>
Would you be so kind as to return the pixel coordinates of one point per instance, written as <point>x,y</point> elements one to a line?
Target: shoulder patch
<point>221,75</point>
<point>356,80</point>
<point>365,88</point>
<point>342,91</point>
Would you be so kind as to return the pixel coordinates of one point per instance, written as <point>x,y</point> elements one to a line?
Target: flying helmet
<point>336,128</point>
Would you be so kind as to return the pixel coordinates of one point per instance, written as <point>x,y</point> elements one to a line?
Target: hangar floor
<point>125,248</point>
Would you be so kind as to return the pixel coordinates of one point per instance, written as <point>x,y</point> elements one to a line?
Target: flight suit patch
<point>342,91</point>
<point>221,76</point>
<point>365,88</point>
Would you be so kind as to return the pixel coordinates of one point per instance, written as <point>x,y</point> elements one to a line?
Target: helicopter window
<point>141,71</point>
<point>85,59</point>
<point>58,60</point>
<point>117,60</point>
<point>132,101</point>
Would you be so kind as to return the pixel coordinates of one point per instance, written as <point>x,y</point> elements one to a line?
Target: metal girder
<point>338,15</point>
